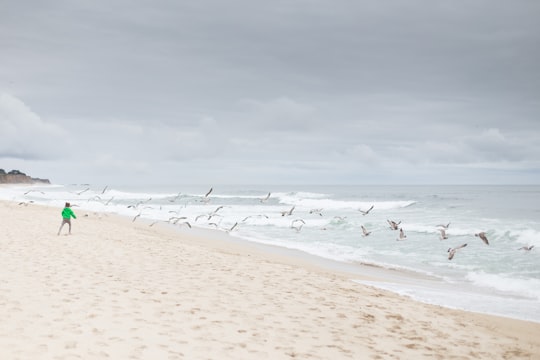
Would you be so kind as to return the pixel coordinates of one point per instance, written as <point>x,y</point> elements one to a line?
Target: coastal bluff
<point>18,177</point>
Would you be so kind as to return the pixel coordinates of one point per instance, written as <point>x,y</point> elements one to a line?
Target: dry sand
<point>118,289</point>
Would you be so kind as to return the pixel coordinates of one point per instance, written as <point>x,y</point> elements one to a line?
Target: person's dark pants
<point>65,221</point>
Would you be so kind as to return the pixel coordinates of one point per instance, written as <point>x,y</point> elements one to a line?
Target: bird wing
<point>484,238</point>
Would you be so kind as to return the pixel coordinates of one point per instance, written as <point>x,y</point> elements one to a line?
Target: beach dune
<point>118,289</point>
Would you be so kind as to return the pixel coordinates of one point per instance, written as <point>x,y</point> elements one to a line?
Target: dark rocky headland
<point>18,177</point>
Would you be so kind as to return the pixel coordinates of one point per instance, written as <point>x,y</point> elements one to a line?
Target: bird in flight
<point>445,227</point>
<point>526,248</point>
<point>482,235</point>
<point>288,212</point>
<point>365,212</point>
<point>80,192</point>
<point>29,191</point>
<point>175,219</point>
<point>393,224</point>
<point>265,198</point>
<point>136,216</point>
<point>365,232</point>
<point>443,235</point>
<point>297,224</point>
<point>402,235</point>
<point>206,199</point>
<point>201,216</point>
<point>232,227</point>
<point>185,223</point>
<point>252,216</point>
<point>316,211</point>
<point>452,251</point>
<point>176,197</point>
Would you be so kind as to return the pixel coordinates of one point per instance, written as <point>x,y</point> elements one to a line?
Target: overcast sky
<point>271,92</point>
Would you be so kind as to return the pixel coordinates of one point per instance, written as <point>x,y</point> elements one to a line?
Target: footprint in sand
<point>70,345</point>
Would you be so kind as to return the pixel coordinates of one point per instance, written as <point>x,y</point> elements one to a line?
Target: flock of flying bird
<point>442,228</point>
<point>296,224</point>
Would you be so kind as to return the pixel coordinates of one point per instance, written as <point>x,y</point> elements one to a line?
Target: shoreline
<point>118,289</point>
<point>372,275</point>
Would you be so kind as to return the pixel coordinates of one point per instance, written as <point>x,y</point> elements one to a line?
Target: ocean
<point>326,222</point>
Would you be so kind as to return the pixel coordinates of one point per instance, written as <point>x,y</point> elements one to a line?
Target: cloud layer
<point>282,92</point>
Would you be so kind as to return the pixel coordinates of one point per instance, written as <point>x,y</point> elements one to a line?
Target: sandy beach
<point>117,289</point>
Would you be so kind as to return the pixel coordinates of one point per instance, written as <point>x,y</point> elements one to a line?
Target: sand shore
<point>118,289</point>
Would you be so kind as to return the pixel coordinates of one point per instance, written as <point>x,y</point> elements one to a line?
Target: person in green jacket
<point>67,214</point>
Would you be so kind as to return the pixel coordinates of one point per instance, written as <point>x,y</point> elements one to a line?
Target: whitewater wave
<point>529,287</point>
<point>330,204</point>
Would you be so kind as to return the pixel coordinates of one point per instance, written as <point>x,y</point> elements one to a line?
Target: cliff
<point>17,177</point>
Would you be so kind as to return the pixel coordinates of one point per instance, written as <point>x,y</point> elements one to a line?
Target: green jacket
<point>67,213</point>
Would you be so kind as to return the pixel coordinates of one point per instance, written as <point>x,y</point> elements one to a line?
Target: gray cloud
<point>25,135</point>
<point>274,91</point>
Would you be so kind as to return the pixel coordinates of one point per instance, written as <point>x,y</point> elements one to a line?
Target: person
<point>67,214</point>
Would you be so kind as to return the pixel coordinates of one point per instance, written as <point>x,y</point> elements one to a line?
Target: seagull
<point>210,216</point>
<point>136,216</point>
<point>452,251</point>
<point>526,248</point>
<point>445,227</point>
<point>402,235</point>
<point>287,212</point>
<point>140,202</point>
<point>80,192</point>
<point>482,235</point>
<point>365,212</point>
<point>206,199</point>
<point>232,227</point>
<point>104,189</point>
<point>176,219</point>
<point>200,216</point>
<point>297,227</point>
<point>393,224</point>
<point>215,211</point>
<point>29,191</point>
<point>316,211</point>
<point>443,235</point>
<point>364,231</point>
<point>185,222</point>
<point>266,198</point>
<point>175,198</point>
<point>251,216</point>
